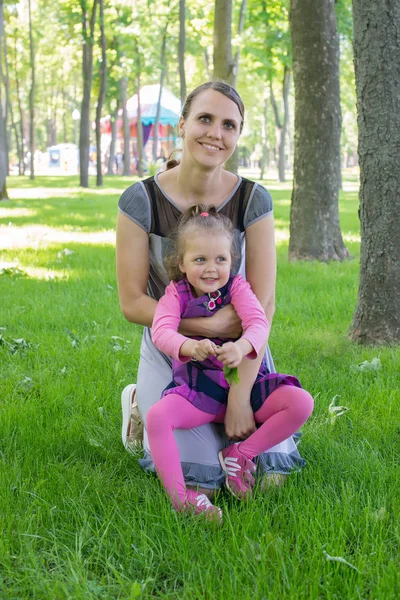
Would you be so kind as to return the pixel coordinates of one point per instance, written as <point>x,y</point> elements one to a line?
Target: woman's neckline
<point>239,181</point>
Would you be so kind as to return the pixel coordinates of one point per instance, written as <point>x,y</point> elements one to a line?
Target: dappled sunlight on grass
<point>39,235</point>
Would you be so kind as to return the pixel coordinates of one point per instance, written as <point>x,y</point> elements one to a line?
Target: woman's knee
<point>156,418</point>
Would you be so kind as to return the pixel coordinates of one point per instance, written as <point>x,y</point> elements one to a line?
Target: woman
<point>210,125</point>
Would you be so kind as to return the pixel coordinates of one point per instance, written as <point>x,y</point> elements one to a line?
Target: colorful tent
<point>169,111</point>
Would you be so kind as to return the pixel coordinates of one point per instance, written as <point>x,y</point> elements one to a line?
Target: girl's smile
<point>207,262</point>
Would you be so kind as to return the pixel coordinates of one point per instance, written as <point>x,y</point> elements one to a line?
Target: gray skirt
<point>199,447</point>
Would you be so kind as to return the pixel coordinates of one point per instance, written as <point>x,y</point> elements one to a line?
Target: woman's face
<point>211,129</point>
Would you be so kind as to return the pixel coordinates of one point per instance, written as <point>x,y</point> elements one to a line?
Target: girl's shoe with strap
<point>239,472</point>
<point>199,504</point>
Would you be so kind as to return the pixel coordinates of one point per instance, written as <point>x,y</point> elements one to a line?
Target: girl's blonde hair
<point>197,218</point>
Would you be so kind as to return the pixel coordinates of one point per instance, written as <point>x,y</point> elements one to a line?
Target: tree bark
<point>88,24</point>
<point>376,61</point>
<point>31,97</point>
<point>125,127</point>
<point>181,49</point>
<point>314,218</point>
<point>282,126</point>
<point>101,96</point>
<point>264,138</point>
<point>223,62</point>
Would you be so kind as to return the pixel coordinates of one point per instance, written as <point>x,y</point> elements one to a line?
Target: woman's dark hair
<point>219,86</point>
<point>197,218</point>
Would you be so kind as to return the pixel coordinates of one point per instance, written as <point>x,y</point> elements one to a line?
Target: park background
<point>80,519</point>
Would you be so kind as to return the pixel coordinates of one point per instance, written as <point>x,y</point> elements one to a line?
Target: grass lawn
<point>80,520</point>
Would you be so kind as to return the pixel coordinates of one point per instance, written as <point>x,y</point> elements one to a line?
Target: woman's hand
<point>230,354</point>
<point>202,349</point>
<point>239,421</point>
<point>225,323</point>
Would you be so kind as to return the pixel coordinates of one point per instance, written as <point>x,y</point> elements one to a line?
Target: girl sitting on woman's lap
<point>201,284</point>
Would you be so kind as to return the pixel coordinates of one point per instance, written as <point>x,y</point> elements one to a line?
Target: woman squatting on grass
<point>149,210</point>
<point>202,284</point>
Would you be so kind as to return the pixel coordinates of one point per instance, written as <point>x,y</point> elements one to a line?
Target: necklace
<point>214,299</point>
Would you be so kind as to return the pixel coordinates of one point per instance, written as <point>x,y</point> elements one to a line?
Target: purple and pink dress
<point>203,383</point>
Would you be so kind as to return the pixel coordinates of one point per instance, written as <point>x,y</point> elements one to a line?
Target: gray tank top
<point>147,205</point>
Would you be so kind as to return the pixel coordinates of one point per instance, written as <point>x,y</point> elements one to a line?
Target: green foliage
<point>231,375</point>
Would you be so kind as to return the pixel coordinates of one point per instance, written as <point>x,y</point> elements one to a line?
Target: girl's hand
<point>230,354</point>
<point>239,421</point>
<point>202,349</point>
<point>225,323</point>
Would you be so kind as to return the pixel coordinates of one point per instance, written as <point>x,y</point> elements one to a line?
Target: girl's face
<point>207,261</point>
<point>211,129</point>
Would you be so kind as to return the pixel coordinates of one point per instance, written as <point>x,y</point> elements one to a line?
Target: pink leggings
<point>285,410</point>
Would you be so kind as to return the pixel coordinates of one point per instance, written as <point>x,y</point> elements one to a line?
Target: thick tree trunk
<point>376,61</point>
<point>31,97</point>
<point>123,86</point>
<point>101,96</point>
<point>181,49</point>
<point>88,24</point>
<point>314,218</point>
<point>111,158</point>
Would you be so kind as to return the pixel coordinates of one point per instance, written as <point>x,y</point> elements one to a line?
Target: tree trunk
<point>181,49</point>
<point>31,97</point>
<point>139,131</point>
<point>264,138</point>
<point>111,158</point>
<point>102,93</point>
<point>88,24</point>
<point>21,157</point>
<point>282,127</point>
<point>162,76</point>
<point>314,218</point>
<point>242,15</point>
<point>9,103</point>
<point>376,62</point>
<point>123,85</point>
<point>3,148</point>
<point>223,63</point>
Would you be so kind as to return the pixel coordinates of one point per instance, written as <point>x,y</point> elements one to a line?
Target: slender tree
<point>123,85</point>
<point>88,21</point>
<point>376,61</point>
<point>281,124</point>
<point>3,147</point>
<point>162,77</point>
<point>139,127</point>
<point>223,61</point>
<point>31,97</point>
<point>314,218</point>
<point>181,49</point>
<point>101,96</point>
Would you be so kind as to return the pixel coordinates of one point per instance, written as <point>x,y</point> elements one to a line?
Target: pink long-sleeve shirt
<point>167,318</point>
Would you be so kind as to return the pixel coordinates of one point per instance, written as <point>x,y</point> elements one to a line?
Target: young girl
<point>201,285</point>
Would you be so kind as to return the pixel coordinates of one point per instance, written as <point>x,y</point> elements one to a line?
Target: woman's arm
<point>133,264</point>
<point>261,262</point>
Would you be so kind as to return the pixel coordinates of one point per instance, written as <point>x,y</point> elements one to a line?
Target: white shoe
<point>132,426</point>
